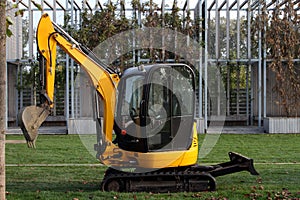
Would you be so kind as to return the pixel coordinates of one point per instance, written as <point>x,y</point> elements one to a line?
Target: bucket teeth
<point>30,119</point>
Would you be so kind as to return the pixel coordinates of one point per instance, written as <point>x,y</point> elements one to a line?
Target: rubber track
<point>164,180</point>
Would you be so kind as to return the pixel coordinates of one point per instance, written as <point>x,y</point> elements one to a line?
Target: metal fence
<point>224,26</point>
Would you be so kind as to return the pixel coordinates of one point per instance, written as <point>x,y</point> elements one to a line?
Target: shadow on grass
<point>60,179</point>
<point>67,186</point>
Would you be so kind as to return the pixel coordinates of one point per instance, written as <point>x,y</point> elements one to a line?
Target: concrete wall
<point>282,125</point>
<point>12,93</point>
<point>14,43</point>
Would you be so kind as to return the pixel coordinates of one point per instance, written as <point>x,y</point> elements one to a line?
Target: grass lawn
<point>276,158</point>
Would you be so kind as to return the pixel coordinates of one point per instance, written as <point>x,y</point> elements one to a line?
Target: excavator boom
<point>103,78</point>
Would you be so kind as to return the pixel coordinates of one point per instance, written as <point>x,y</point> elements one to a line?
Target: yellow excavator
<point>148,139</point>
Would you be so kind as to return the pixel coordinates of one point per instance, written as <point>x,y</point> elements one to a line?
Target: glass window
<point>170,108</point>
<point>182,86</point>
<point>132,98</point>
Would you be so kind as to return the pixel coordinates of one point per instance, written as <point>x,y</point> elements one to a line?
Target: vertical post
<point>30,31</point>
<point>187,25</point>
<point>30,43</point>
<point>251,96</point>
<point>67,95</point>
<point>18,63</point>
<point>67,91</point>
<point>42,6</point>
<point>205,67</point>
<point>133,42</point>
<point>238,38</point>
<point>251,75</point>
<point>163,26</point>
<point>34,83</point>
<point>265,70</point>
<point>259,71</point>
<point>3,77</point>
<point>72,66</point>
<point>200,115</point>
<point>139,25</point>
<point>175,41</point>
<point>217,42</point>
<point>217,31</point>
<point>17,93</point>
<point>238,26</point>
<point>54,10</point>
<point>228,55</point>
<point>133,38</point>
<point>249,60</point>
<point>21,83</point>
<point>183,17</point>
<point>238,89</point>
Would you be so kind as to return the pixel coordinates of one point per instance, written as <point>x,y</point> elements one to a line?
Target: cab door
<point>170,108</point>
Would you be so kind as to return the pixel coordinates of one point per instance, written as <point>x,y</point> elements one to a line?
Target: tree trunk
<point>2,96</point>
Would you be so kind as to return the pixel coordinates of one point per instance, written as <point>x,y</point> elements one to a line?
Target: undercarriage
<point>193,178</point>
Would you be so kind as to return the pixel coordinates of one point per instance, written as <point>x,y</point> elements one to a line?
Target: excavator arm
<point>103,78</point>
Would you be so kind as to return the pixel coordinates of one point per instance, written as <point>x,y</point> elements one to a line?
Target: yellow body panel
<point>152,160</point>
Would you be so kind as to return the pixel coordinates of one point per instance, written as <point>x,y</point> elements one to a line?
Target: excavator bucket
<point>30,120</point>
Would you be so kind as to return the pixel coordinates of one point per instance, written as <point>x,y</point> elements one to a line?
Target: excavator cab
<point>155,109</point>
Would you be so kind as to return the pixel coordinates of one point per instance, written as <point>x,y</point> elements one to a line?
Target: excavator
<point>148,137</point>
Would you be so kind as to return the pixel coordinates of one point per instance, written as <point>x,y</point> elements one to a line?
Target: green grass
<point>277,159</point>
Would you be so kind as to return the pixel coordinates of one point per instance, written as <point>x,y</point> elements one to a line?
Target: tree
<point>282,38</point>
<point>3,28</point>
<point>281,28</point>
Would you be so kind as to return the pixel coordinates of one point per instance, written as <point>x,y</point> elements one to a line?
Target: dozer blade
<point>237,163</point>
<point>30,120</point>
